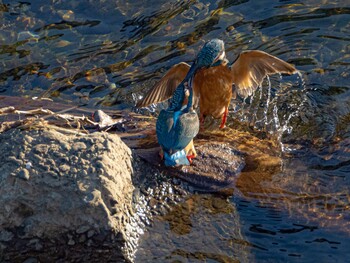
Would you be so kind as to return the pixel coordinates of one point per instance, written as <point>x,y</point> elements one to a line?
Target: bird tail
<point>178,158</point>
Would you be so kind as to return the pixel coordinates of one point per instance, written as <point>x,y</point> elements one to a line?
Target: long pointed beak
<point>221,56</point>
<point>192,71</point>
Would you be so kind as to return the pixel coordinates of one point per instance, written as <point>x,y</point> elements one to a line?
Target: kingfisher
<point>177,125</point>
<point>214,87</point>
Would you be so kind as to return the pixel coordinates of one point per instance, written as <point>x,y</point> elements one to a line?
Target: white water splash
<point>278,110</point>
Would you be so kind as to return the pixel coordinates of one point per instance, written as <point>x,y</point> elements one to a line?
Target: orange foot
<point>161,154</point>
<point>224,118</point>
<point>190,157</point>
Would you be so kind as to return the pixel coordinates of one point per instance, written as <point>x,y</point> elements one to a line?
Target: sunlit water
<point>108,53</point>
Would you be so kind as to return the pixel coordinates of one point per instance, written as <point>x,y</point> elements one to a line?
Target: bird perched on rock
<point>213,87</point>
<point>179,124</point>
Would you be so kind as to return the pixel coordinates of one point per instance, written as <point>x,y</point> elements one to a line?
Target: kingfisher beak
<point>220,57</point>
<point>192,71</point>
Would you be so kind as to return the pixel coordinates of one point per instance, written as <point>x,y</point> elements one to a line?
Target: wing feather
<point>252,66</point>
<point>166,86</point>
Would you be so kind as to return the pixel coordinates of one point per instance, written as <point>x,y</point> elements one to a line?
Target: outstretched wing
<point>166,86</point>
<point>252,66</point>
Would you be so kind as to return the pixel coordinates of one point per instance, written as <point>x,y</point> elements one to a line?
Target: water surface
<point>108,53</point>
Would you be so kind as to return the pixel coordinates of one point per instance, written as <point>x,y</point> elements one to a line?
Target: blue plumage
<point>179,124</point>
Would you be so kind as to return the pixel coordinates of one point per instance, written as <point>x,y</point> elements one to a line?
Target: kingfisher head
<point>211,54</point>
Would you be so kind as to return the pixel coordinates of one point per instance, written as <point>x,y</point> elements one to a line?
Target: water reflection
<point>294,204</point>
<point>209,223</point>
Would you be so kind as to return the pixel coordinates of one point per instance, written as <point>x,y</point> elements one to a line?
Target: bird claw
<point>190,158</point>
<point>224,118</point>
<point>161,155</point>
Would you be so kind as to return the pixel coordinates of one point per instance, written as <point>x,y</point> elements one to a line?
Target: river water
<point>106,54</point>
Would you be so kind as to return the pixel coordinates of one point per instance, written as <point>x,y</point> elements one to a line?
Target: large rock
<point>63,195</point>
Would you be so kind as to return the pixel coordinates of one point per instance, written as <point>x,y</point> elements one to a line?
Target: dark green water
<point>108,53</point>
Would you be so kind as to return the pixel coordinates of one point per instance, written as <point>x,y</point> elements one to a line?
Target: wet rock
<point>216,166</point>
<point>6,236</point>
<point>67,15</point>
<point>15,160</point>
<point>90,233</point>
<point>214,169</point>
<point>27,35</point>
<point>23,174</point>
<point>82,229</point>
<point>30,260</point>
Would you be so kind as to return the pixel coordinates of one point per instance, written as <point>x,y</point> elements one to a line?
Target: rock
<point>82,229</point>
<point>24,174</point>
<point>58,198</point>
<point>6,236</point>
<point>90,233</point>
<point>30,260</point>
<point>216,167</point>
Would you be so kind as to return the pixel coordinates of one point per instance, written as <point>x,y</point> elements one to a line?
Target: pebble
<point>24,174</point>
<point>64,168</point>
<point>90,243</point>
<point>13,159</point>
<point>100,171</point>
<point>6,236</point>
<point>41,148</point>
<point>63,43</point>
<point>67,15</point>
<point>82,229</point>
<point>36,242</point>
<point>90,233</point>
<point>99,164</point>
<point>71,242</point>
<point>82,239</point>
<point>29,165</point>
<point>79,146</point>
<point>30,260</point>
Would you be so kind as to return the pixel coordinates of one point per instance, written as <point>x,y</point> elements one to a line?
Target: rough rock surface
<point>61,193</point>
<point>215,168</point>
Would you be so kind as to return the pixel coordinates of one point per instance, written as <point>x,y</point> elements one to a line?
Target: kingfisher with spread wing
<point>214,87</point>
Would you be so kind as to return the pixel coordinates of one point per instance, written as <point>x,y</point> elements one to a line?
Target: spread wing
<point>252,66</point>
<point>166,86</point>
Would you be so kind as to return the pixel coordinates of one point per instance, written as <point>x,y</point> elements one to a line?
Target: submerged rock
<point>216,167</point>
<point>77,192</point>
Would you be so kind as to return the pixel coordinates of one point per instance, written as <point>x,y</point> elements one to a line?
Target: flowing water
<point>108,53</point>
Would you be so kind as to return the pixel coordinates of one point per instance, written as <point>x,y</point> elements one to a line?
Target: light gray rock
<point>71,186</point>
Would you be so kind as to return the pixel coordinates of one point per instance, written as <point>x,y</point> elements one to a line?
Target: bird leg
<point>161,154</point>
<point>201,120</point>
<point>224,118</point>
<point>190,151</point>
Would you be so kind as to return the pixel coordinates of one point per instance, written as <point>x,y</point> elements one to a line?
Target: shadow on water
<point>292,206</point>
